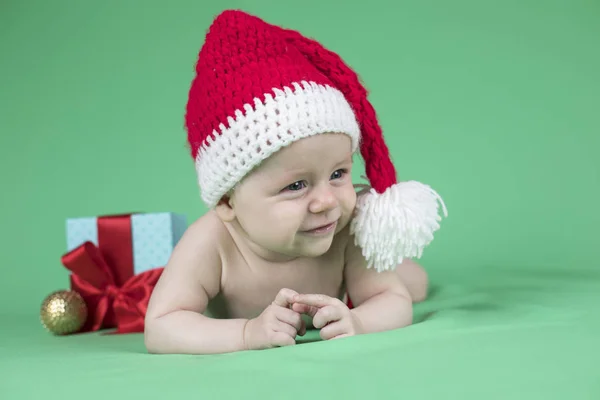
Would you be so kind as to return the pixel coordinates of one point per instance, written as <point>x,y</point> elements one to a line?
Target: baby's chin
<point>315,247</point>
<point>315,252</point>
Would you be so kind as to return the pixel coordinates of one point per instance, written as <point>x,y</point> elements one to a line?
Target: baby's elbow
<point>150,344</point>
<point>405,314</point>
<point>152,337</point>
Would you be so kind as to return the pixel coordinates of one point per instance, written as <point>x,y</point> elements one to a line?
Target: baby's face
<point>304,186</point>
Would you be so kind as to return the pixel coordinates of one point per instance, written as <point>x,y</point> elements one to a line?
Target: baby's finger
<point>287,329</point>
<point>326,315</point>
<point>316,300</point>
<point>343,335</point>
<point>333,330</point>
<point>305,309</point>
<point>285,298</point>
<point>282,339</point>
<point>289,317</point>
<point>302,330</point>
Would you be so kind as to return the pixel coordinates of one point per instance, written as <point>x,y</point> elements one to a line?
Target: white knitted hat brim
<point>260,129</point>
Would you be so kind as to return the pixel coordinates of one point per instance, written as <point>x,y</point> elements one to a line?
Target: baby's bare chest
<point>247,290</point>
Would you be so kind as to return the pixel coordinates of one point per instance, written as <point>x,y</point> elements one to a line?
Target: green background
<point>494,104</point>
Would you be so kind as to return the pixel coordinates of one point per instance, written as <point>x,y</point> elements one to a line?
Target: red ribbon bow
<point>103,275</point>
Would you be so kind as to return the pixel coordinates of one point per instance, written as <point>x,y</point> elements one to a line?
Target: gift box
<point>154,236</point>
<point>116,260</point>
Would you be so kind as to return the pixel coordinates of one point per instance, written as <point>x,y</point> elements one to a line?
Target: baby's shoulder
<point>209,230</point>
<point>201,251</point>
<point>204,242</point>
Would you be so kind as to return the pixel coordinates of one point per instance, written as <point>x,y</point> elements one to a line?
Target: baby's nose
<point>324,200</point>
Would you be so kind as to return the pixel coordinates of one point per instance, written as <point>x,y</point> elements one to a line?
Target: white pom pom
<point>396,224</point>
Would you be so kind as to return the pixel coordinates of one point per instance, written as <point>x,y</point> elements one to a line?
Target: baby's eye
<point>295,186</point>
<point>338,174</point>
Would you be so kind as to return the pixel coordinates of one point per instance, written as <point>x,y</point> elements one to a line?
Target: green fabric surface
<point>496,333</point>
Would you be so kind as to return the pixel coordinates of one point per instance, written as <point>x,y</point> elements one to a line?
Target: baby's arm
<point>174,322</point>
<point>381,300</point>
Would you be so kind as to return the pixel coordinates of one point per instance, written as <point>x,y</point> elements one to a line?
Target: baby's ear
<point>225,210</point>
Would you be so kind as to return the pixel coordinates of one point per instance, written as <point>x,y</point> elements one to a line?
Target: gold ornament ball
<point>63,312</point>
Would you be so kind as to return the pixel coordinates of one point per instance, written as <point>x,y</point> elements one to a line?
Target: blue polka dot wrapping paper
<point>154,236</point>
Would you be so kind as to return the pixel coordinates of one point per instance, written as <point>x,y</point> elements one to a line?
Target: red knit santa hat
<point>259,87</point>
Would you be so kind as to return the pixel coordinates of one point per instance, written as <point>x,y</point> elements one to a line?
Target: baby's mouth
<point>322,229</point>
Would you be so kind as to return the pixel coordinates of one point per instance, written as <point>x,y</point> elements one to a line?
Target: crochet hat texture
<point>259,87</point>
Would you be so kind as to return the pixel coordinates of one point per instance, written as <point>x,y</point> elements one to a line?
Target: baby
<point>274,120</point>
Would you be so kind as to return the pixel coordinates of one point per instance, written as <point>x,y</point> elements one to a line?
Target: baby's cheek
<point>287,218</point>
<point>349,198</point>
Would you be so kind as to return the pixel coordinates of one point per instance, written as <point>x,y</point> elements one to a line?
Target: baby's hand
<point>278,324</point>
<point>330,315</point>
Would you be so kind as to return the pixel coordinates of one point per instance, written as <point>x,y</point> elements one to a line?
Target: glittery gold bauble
<point>63,312</point>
